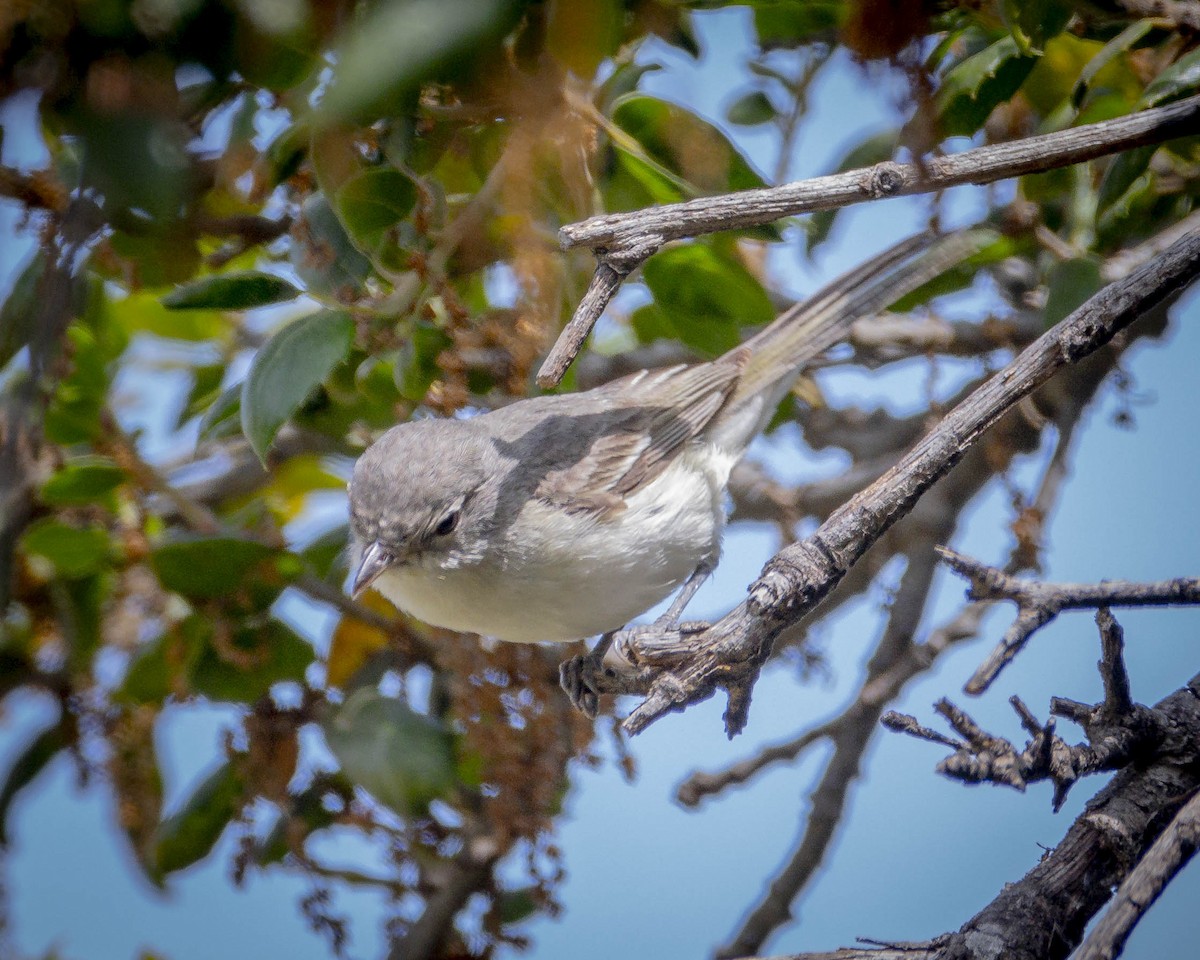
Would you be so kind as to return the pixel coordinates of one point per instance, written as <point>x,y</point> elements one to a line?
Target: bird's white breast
<point>558,576</point>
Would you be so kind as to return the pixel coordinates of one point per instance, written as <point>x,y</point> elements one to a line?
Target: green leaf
<point>189,835</point>
<point>84,479</point>
<point>513,906</point>
<point>1033,22</point>
<point>752,109</point>
<point>153,671</point>
<point>973,88</point>
<point>145,313</point>
<point>371,204</point>
<point>222,418</point>
<point>74,413</point>
<point>231,291</point>
<point>1069,284</point>
<point>866,153</point>
<point>417,366</point>
<point>43,747</point>
<point>789,23</point>
<point>706,297</point>
<point>400,757</point>
<point>324,553</point>
<point>322,253</point>
<point>245,666</point>
<point>396,47</point>
<point>666,153</point>
<point>287,369</point>
<point>18,313</point>
<point>74,551</point>
<point>1119,44</point>
<point>1179,80</point>
<point>1124,171</point>
<point>205,567</point>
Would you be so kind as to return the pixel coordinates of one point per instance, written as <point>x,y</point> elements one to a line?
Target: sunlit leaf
<point>144,313</point>
<point>400,757</point>
<point>287,368</point>
<point>1121,43</point>
<point>231,291</point>
<point>188,835</point>
<point>74,413</point>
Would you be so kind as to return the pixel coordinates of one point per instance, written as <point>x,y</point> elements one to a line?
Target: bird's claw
<point>582,677</point>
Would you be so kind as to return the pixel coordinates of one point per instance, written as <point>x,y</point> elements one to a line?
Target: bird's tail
<point>777,353</point>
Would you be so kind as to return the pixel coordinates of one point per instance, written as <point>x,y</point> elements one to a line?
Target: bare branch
<point>624,240</point>
<point>1046,912</point>
<point>1038,603</point>
<point>1119,732</point>
<point>1169,854</point>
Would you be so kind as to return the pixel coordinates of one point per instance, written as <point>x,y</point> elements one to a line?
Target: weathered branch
<point>1169,854</point>
<point>626,239</point>
<point>1045,913</point>
<point>728,654</point>
<point>1038,603</point>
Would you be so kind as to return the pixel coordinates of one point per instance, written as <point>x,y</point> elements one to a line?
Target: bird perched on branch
<point>562,517</point>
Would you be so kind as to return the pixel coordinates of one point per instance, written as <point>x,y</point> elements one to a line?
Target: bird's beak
<point>375,560</point>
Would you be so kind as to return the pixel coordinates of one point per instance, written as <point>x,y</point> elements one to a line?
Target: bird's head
<point>419,494</point>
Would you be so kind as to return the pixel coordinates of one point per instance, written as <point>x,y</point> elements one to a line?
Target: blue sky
<point>917,856</point>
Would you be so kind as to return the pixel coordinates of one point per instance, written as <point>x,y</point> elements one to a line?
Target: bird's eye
<point>448,523</point>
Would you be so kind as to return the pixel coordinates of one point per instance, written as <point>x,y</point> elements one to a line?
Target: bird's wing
<point>654,415</point>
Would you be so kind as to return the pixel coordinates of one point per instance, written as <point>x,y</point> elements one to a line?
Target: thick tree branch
<point>1170,853</point>
<point>1045,914</point>
<point>622,241</point>
<point>685,667</point>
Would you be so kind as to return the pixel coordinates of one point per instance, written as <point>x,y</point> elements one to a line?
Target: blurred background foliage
<point>298,222</point>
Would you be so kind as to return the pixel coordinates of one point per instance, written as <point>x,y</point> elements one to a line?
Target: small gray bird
<point>562,517</point>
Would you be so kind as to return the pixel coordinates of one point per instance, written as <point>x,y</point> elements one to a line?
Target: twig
<point>700,785</point>
<point>624,240</point>
<point>468,872</point>
<point>1038,603</point>
<point>1169,854</point>
<point>1119,731</point>
<point>730,653</point>
<point>610,272</point>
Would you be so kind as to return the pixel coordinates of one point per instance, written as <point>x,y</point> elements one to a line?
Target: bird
<point>562,517</point>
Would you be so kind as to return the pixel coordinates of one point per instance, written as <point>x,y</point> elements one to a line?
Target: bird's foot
<point>580,677</point>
